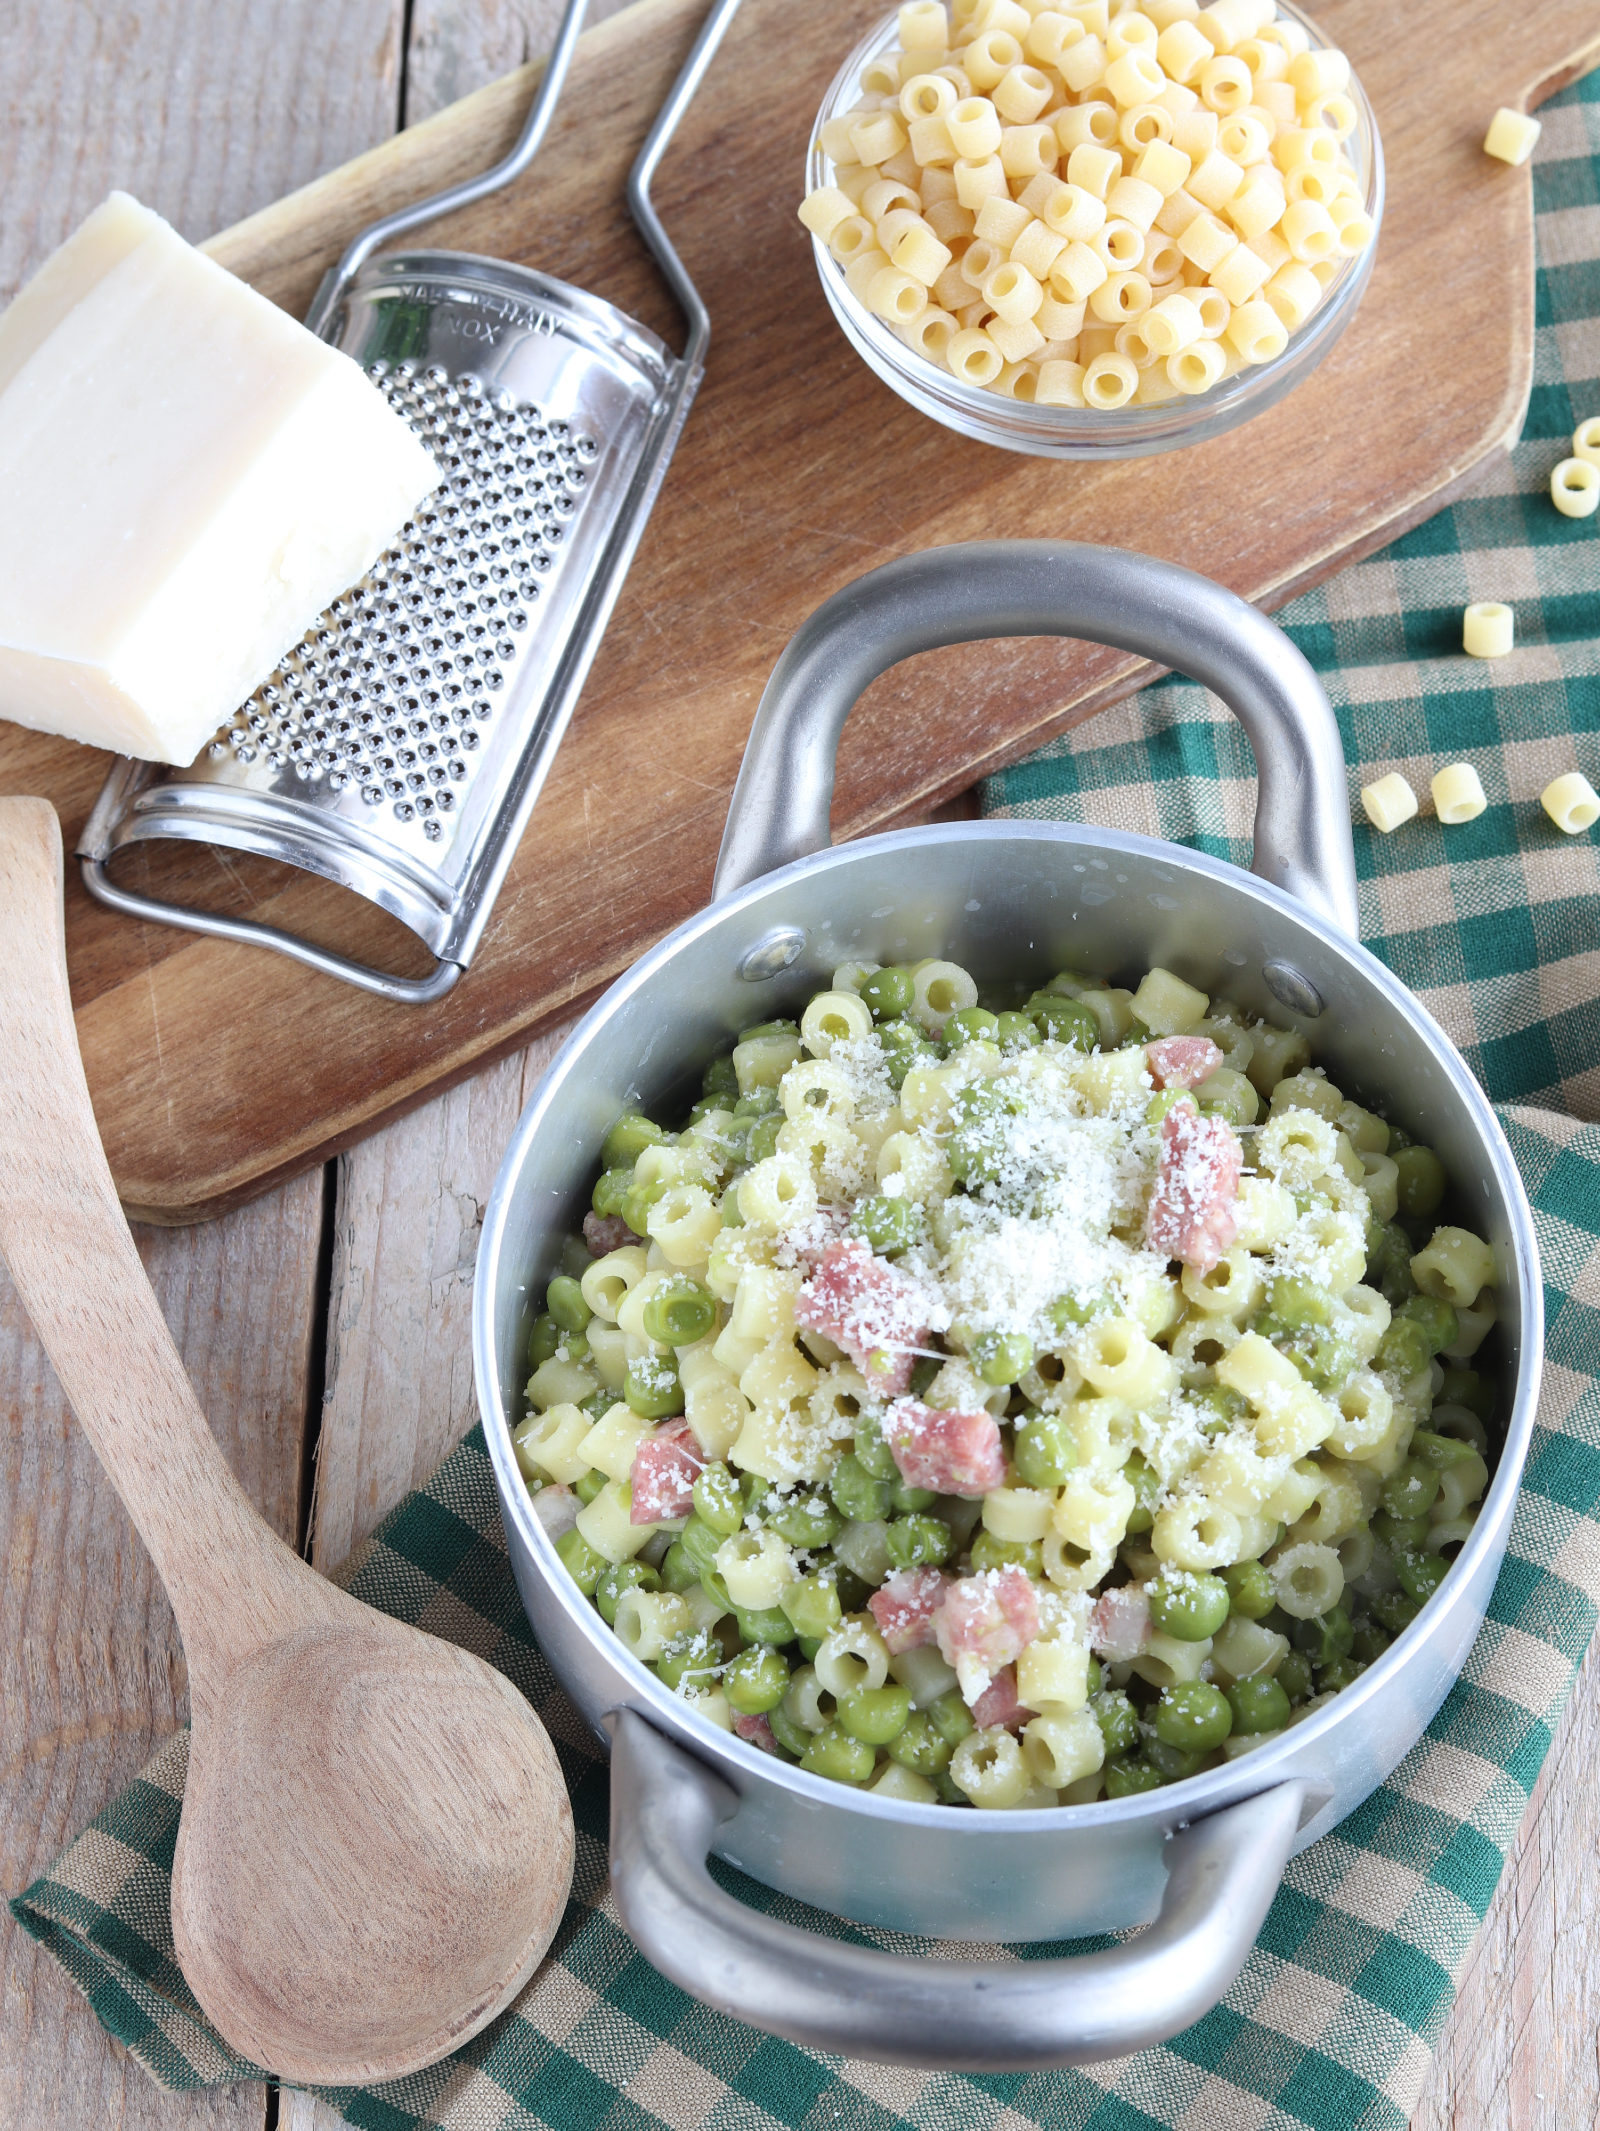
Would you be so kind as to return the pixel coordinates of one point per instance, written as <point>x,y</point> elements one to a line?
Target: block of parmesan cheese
<point>187,478</point>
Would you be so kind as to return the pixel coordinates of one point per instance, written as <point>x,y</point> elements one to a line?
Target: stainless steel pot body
<point>1005,899</point>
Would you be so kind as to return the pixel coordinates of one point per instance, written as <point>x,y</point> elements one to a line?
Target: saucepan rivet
<point>772,953</point>
<point>1293,989</point>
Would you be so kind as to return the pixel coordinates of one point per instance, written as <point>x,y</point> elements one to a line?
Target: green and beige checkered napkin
<point>1497,925</point>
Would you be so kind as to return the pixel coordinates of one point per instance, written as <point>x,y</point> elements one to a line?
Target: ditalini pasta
<point>1458,793</point>
<point>1089,206</point>
<point>1488,629</point>
<point>1011,1404</point>
<point>1388,802</point>
<point>1571,802</point>
<point>1575,487</point>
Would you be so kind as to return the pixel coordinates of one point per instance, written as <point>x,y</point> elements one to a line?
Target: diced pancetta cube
<point>1193,1216</point>
<point>1182,1061</point>
<point>665,1467</point>
<point>953,1453</point>
<point>605,1233</point>
<point>556,1508</point>
<point>998,1703</point>
<point>867,1307</point>
<point>986,1622</point>
<point>1119,1626</point>
<point>758,1731</point>
<point>904,1605</point>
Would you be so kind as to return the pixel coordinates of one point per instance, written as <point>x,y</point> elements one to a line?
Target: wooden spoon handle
<point>64,1238</point>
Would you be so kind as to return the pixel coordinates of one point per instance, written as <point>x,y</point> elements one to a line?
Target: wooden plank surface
<point>797,471</point>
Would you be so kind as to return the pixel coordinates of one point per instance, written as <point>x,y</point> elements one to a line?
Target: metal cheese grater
<point>399,749</point>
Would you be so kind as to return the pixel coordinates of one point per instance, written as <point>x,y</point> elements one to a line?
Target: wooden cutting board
<point>217,1070</point>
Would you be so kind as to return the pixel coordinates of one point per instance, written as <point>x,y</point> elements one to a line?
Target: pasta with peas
<point>1015,1403</point>
<point>1092,206</point>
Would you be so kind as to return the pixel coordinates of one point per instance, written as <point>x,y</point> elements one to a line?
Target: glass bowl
<point>1088,432</point>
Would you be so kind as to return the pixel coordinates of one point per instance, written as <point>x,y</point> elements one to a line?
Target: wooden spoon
<point>376,1843</point>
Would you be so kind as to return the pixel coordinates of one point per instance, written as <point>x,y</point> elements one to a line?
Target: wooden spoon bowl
<point>376,1845</point>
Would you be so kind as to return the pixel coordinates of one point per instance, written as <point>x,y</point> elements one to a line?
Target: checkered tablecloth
<point>1497,926</point>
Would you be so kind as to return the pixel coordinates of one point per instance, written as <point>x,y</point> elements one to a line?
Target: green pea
<point>808,1646</point>
<point>1465,1387</point>
<point>874,1715</point>
<point>623,1576</point>
<point>1069,1311</point>
<point>1165,1101</point>
<point>923,1371</point>
<point>1420,1574</point>
<point>1389,1264</point>
<point>834,1754</point>
<point>1404,1347</point>
<point>1420,1186</point>
<point>949,1790</point>
<point>1294,1676</point>
<point>853,1590</point>
<point>792,1737</point>
<point>679,1312</point>
<point>1399,1534</point>
<point>1134,1037</point>
<point>580,1560</point>
<point>808,1521</point>
<point>812,1604</point>
<point>988,1552</point>
<point>694,1658</point>
<point>610,1193</point>
<point>902,1046</point>
<point>764,1624</point>
<point>769,1028</point>
<point>720,1077</point>
<point>588,1485</point>
<point>597,1405</point>
<point>1043,1450</point>
<point>678,1572</point>
<point>889,1225</point>
<point>1440,1452</point>
<point>1093,1676</point>
<point>718,1501</point>
<point>970,1024</point>
<point>1435,1318</point>
<point>1299,1302</point>
<point>1173,1763</point>
<point>1146,1486</point>
<point>917,1542</point>
<point>760,1102</point>
<point>1326,1637</point>
<point>1411,1490</point>
<point>1186,1606</point>
<point>566,1305</point>
<point>1118,1721</point>
<point>871,1451</point>
<point>1064,1020</point>
<point>763,1141</point>
<point>1369,1642</point>
<point>1396,1610</point>
<point>1250,1592</point>
<point>1339,1673</point>
<point>628,1138</point>
<point>920,1745</point>
<point>756,1681</point>
<point>1192,1716</point>
<point>1235,1100</point>
<point>1017,1032</point>
<point>888,992</point>
<point>908,1501</point>
<point>1129,1776</point>
<point>716,1590</point>
<point>950,1717</point>
<point>652,1389</point>
<point>1001,1357</point>
<point>857,1496</point>
<point>543,1340</point>
<point>637,1202</point>
<point>700,1541</point>
<point>1258,1704</point>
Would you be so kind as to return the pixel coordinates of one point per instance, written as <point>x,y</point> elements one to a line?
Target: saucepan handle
<point>827,1994</point>
<point>959,595</point>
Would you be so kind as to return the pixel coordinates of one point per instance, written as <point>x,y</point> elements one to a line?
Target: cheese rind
<point>187,479</point>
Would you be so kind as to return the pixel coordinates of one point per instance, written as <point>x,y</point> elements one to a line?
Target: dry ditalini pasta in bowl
<point>1007,1351</point>
<point>1079,230</point>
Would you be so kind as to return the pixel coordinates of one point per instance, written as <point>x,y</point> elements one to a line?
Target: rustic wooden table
<point>326,1325</point>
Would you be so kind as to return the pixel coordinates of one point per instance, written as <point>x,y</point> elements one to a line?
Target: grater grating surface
<point>399,748</point>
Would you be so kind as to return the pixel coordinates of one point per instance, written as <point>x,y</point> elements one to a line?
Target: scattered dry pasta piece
<point>1511,136</point>
<point>1586,440</point>
<point>1575,488</point>
<point>1458,793</point>
<point>1487,629</point>
<point>1139,204</point>
<point>1571,802</point>
<point>1389,802</point>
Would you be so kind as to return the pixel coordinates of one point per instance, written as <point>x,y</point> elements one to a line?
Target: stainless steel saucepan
<point>1006,899</point>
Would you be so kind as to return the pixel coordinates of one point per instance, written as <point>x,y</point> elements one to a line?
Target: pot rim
<point>1171,1803</point>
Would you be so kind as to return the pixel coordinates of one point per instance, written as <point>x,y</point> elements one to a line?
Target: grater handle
<point>403,991</point>
<point>334,284</point>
